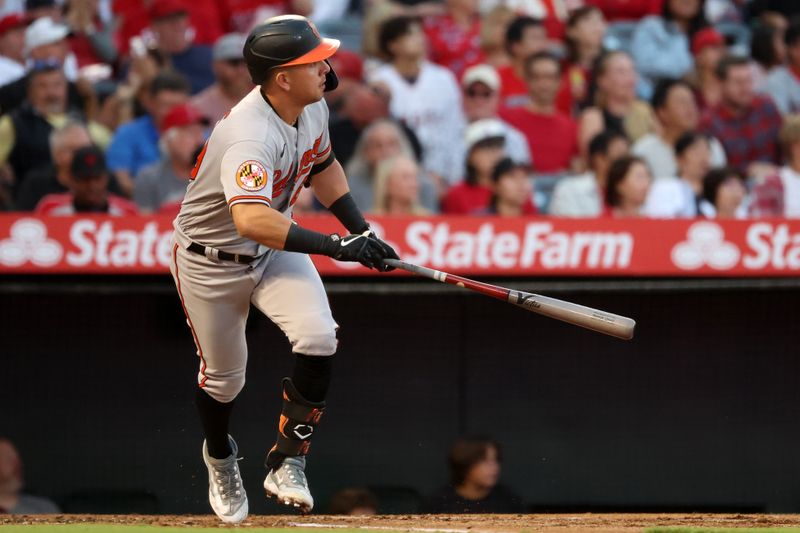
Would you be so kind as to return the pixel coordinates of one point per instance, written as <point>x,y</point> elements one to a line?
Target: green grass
<point>720,529</point>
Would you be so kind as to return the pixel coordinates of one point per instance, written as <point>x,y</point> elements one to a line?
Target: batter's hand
<point>363,248</point>
<point>388,251</point>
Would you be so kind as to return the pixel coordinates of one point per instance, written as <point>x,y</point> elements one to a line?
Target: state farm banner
<point>478,246</point>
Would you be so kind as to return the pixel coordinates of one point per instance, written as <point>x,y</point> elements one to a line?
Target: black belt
<point>225,256</point>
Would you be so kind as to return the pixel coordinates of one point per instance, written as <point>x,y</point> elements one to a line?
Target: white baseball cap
<point>485,74</point>
<point>481,130</point>
<point>43,31</point>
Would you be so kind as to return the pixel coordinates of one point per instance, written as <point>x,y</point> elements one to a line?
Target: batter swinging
<point>235,244</point>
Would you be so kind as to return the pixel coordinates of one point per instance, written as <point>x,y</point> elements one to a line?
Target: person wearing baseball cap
<point>511,190</point>
<point>164,182</point>
<point>708,47</point>
<point>46,39</point>
<point>232,79</point>
<point>12,40</point>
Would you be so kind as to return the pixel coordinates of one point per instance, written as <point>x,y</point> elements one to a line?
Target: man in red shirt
<point>552,135</point>
<point>454,37</point>
<point>525,37</point>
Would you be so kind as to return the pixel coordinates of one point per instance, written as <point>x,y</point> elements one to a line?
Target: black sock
<point>215,417</point>
<point>312,376</point>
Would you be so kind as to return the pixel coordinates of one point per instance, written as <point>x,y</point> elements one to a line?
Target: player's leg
<point>215,298</point>
<point>291,294</point>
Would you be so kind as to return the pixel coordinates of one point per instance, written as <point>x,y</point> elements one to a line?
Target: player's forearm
<point>330,187</point>
<point>261,224</point>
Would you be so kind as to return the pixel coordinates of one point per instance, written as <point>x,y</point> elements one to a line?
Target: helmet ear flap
<point>331,79</point>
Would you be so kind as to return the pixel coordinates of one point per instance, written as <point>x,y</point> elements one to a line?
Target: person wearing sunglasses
<point>232,82</point>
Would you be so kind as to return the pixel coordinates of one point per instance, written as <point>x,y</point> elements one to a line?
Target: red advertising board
<point>465,245</point>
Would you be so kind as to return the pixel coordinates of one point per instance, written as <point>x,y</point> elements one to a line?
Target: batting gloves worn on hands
<point>365,248</point>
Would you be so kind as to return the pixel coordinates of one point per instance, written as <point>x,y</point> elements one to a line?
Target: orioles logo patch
<point>251,176</point>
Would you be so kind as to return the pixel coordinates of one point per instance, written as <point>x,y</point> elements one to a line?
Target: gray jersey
<point>251,156</point>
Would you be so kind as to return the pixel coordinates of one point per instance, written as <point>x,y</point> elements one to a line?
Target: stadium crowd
<point>573,108</point>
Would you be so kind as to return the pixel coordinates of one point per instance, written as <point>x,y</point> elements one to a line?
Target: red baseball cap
<point>182,115</point>
<point>167,8</point>
<point>348,65</point>
<point>706,37</point>
<point>11,21</point>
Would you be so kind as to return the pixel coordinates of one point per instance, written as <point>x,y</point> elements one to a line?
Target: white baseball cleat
<point>226,494</point>
<point>288,484</point>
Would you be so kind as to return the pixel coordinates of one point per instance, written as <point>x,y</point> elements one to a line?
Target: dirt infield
<point>606,523</point>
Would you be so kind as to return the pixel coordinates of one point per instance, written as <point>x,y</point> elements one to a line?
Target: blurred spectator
<point>135,144</point>
<point>724,193</point>
<point>493,34</point>
<point>381,140</point>
<point>511,190</point>
<point>787,8</point>
<point>623,10</point>
<point>354,502</point>
<point>91,40</point>
<point>582,195</point>
<point>485,141</point>
<point>778,194</point>
<point>164,182</point>
<point>454,36</point>
<point>552,135</point>
<point>25,132</point>
<point>783,84</point>
<point>614,102</point>
<point>361,105</point>
<point>36,9</point>
<point>425,96</point>
<point>680,196</point>
<point>586,29</point>
<point>629,182</point>
<point>708,48</point>
<point>349,67</point>
<point>233,81</point>
<point>660,44</point>
<point>397,188</point>
<point>481,97</point>
<point>12,42</point>
<point>474,474</point>
<point>525,36</point>
<point>676,109</point>
<point>767,49</point>
<point>746,124</point>
<point>174,39</point>
<point>552,13</point>
<point>46,40</point>
<point>88,186</point>
<point>12,499</point>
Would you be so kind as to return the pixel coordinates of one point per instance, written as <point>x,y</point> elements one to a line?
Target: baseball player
<point>236,244</point>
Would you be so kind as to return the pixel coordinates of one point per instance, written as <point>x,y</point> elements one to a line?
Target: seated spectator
<point>724,194</point>
<point>511,190</point>
<point>625,10</point>
<point>586,30</point>
<point>88,188</point>
<point>91,39</point>
<point>481,98</point>
<point>12,42</point>
<point>174,39</point>
<point>614,103</point>
<point>708,47</point>
<point>474,475</point>
<point>767,48</point>
<point>552,135</point>
<point>782,82</point>
<point>12,499</point>
<point>746,124</point>
<point>353,502</point>
<point>454,36</point>
<point>25,132</point>
<point>582,195</point>
<point>135,144</point>
<point>397,188</point>
<point>485,141</point>
<point>164,182</point>
<point>493,35</point>
<point>425,96</point>
<point>660,43</point>
<point>680,196</point>
<point>629,182</point>
<point>232,79</point>
<point>676,109</point>
<point>778,194</point>
<point>360,107</point>
<point>525,36</point>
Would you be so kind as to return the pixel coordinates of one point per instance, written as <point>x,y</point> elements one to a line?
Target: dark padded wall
<point>701,410</point>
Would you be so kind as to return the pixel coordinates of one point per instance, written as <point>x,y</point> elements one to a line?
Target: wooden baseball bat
<point>586,317</point>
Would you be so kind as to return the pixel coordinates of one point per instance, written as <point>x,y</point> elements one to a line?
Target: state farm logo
<point>705,246</point>
<point>28,242</point>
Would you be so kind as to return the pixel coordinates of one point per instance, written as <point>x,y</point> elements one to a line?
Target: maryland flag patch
<point>251,176</point>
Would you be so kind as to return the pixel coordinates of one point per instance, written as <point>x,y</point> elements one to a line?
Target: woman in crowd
<point>724,193</point>
<point>493,34</point>
<point>660,44</point>
<point>767,47</point>
<point>397,188</point>
<point>708,47</point>
<point>511,190</point>
<point>680,196</point>
<point>586,29</point>
<point>629,182</point>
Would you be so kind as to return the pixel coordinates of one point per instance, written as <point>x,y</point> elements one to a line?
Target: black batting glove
<point>388,252</point>
<point>363,248</point>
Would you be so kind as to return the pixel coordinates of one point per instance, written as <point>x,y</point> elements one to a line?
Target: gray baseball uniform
<point>251,156</point>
